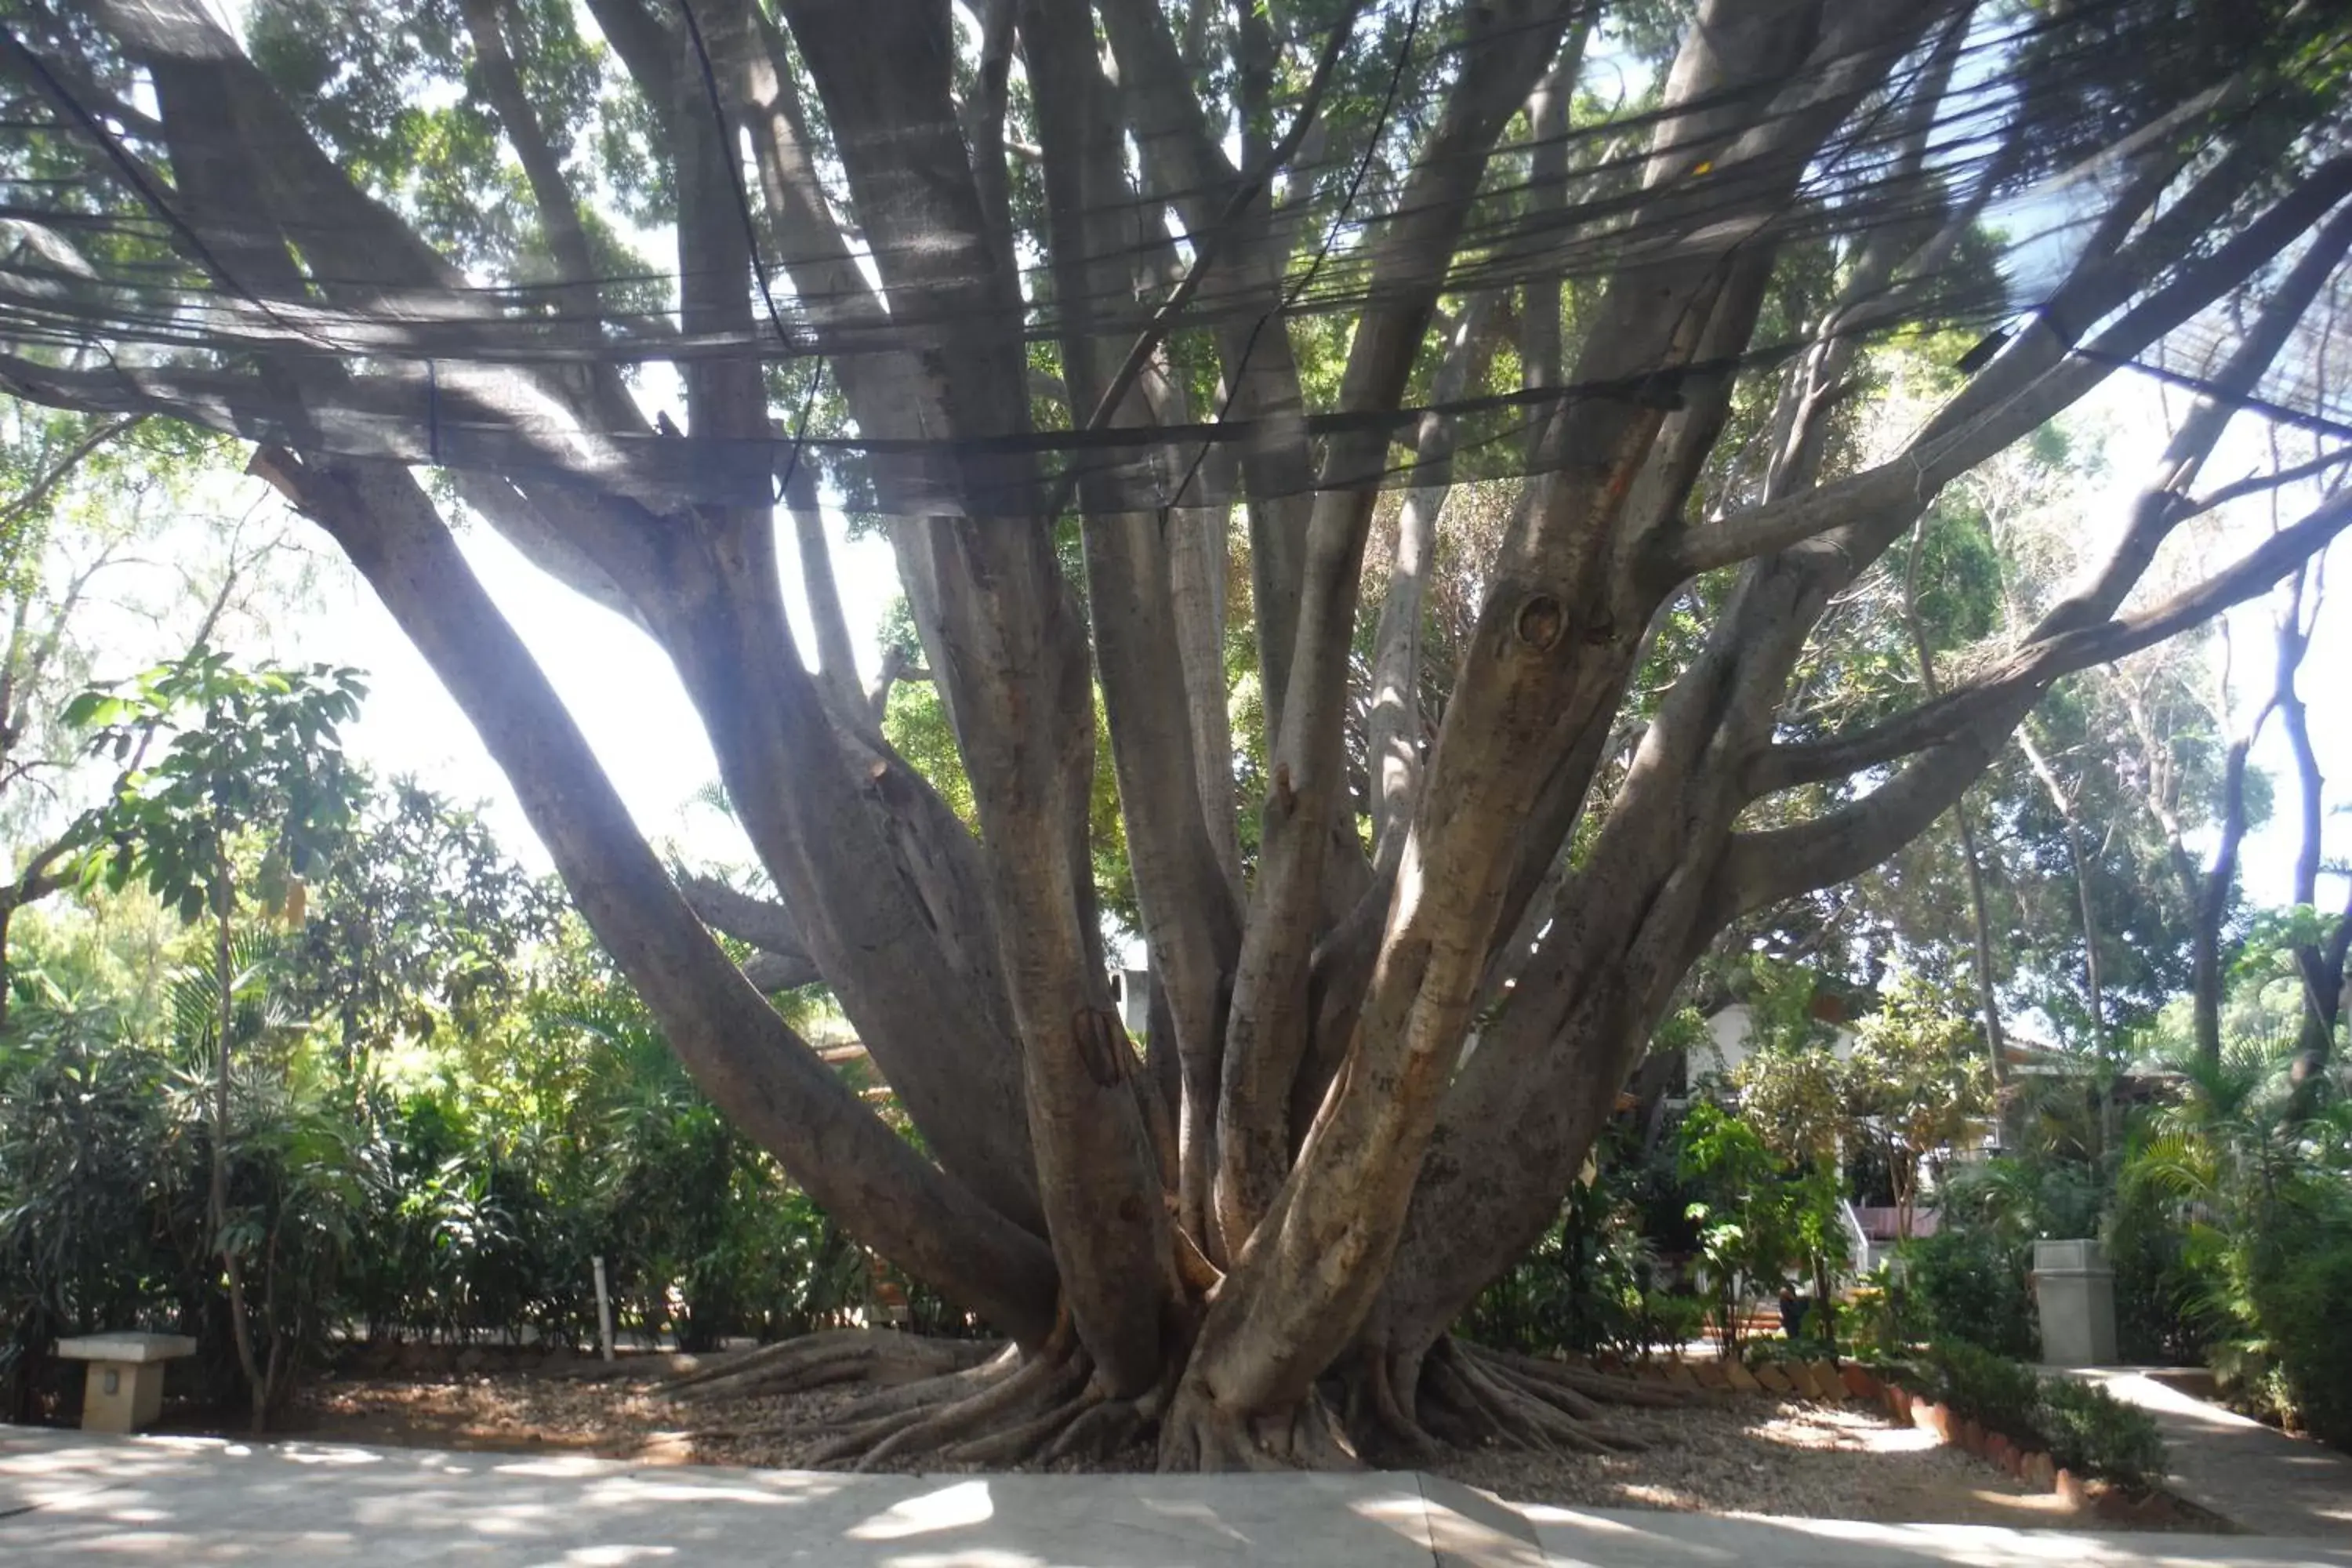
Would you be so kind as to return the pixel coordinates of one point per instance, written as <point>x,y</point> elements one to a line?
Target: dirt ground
<point>1756,1454</point>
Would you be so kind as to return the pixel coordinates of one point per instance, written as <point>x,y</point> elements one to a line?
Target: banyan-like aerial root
<point>1469,1394</point>
<point>1011,1410</point>
<point>965,1402</point>
<point>821,1360</point>
<point>1197,1435</point>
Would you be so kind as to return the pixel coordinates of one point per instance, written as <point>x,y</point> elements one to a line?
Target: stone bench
<point>124,1390</point>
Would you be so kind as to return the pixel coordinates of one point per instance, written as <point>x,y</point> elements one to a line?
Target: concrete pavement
<point>2257,1479</point>
<point>69,1499</point>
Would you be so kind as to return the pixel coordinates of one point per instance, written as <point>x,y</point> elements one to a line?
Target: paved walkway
<point>68,1498</point>
<point>2258,1479</point>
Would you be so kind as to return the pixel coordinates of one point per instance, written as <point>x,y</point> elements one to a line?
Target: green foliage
<point>2085,1429</point>
<point>1967,1284</point>
<point>82,1127</point>
<point>2166,1314</point>
<point>1745,1228</point>
<point>2091,1432</point>
<point>2253,1180</point>
<point>2300,1302</point>
<point>420,921</point>
<point>1797,1100</point>
<point>1916,1080</point>
<point>250,752</point>
<point>1983,1386</point>
<point>1595,1282</point>
<point>395,98</point>
<point>443,1102</point>
<point>1969,1280</point>
<point>105,1143</point>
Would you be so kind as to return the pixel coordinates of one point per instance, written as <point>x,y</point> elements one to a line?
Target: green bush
<point>2301,1306</point>
<point>1991,1390</point>
<point>1593,1282</point>
<point>2164,1291</point>
<point>2093,1433</point>
<point>1966,1283</point>
<point>2085,1429</point>
<point>84,1231</point>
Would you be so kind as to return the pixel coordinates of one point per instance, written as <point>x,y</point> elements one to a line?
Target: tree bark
<point>2319,965</point>
<point>1385,1072</point>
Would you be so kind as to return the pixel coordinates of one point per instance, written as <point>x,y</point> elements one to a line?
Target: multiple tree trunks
<point>1381,1070</point>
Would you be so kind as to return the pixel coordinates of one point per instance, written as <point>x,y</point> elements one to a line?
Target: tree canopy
<point>1711,315</point>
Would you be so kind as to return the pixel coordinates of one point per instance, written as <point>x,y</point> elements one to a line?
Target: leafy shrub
<point>2164,1291</point>
<point>1991,1390</point>
<point>2301,1306</point>
<point>2093,1433</point>
<point>1968,1283</point>
<point>82,1231</point>
<point>2085,1429</point>
<point>1806,1347</point>
<point>1882,1321</point>
<point>1596,1281</point>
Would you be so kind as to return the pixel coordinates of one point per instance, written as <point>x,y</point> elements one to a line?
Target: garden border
<point>1852,1383</point>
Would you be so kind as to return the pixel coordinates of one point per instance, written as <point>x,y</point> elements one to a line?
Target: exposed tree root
<point>1390,1427</point>
<point>1101,1431</point>
<point>1473,1393</point>
<point>1198,1435</point>
<point>931,1391</point>
<point>941,1402</point>
<point>1024,1440</point>
<point>1600,1385</point>
<point>1047,1382</point>
<point>818,1361</point>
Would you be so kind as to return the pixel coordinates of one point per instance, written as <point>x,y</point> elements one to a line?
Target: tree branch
<point>744,1056</point>
<point>1950,741</point>
<point>57,473</point>
<point>2036,666</point>
<point>2037,376</point>
<point>559,210</point>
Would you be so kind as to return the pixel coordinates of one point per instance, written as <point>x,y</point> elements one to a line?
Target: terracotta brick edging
<point>2035,1468</point>
<point>1852,1380</point>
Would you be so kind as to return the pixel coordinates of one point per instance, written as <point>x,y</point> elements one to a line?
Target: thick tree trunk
<point>1385,1074</point>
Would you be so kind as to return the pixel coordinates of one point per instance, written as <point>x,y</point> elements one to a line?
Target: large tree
<point>1134,265</point>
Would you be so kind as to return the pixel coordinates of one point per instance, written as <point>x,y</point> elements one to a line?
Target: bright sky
<point>2130,411</point>
<point>619,686</point>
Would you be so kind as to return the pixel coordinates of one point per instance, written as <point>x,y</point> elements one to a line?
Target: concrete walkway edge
<point>71,1499</point>
<point>2259,1480</point>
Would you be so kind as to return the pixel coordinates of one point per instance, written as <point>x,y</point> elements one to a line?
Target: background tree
<point>418,920</point>
<point>248,795</point>
<point>1912,1078</point>
<point>95,502</point>
<point>1338,1174</point>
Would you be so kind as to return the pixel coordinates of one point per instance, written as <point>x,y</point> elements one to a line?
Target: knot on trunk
<point>1540,621</point>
